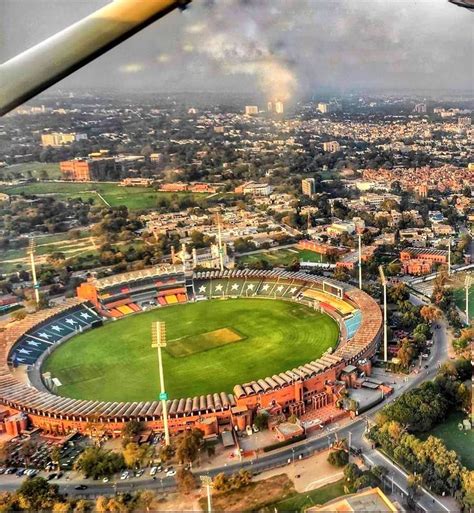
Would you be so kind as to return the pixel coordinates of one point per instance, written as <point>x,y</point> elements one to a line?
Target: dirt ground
<point>253,497</point>
<point>307,474</point>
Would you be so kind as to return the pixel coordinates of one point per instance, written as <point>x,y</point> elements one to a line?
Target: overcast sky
<point>281,48</point>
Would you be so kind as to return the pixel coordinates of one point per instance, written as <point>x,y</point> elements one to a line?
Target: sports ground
<point>212,346</point>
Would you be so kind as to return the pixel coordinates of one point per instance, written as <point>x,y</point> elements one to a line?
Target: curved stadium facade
<point>309,388</point>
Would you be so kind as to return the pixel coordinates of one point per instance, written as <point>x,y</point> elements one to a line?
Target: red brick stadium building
<point>310,387</point>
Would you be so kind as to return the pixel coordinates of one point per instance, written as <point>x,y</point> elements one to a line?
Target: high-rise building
<point>279,108</point>
<point>420,108</point>
<point>58,139</point>
<point>251,110</point>
<point>308,186</point>
<point>269,107</point>
<point>85,170</point>
<point>324,108</point>
<point>331,146</point>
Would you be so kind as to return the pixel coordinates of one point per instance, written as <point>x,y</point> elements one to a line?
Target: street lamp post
<point>360,261</point>
<point>467,286</point>
<point>385,336</point>
<point>207,482</point>
<point>449,256</point>
<point>158,331</point>
<point>32,250</point>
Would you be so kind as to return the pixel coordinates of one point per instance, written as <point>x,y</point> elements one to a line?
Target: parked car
<point>171,473</point>
<point>153,471</point>
<point>80,487</point>
<point>249,431</point>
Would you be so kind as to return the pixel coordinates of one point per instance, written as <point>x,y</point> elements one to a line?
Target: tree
<point>37,494</point>
<point>406,353</point>
<point>55,455</point>
<point>146,498</point>
<point>166,453</point>
<point>261,420</point>
<point>188,446</point>
<point>82,506</point>
<point>96,462</point>
<point>430,313</point>
<point>61,507</point>
<point>185,480</point>
<point>338,458</point>
<point>101,504</point>
<point>18,315</point>
<point>133,454</point>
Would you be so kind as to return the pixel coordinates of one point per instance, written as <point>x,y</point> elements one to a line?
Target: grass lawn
<point>300,501</point>
<point>281,257</point>
<point>134,198</point>
<point>460,297</point>
<point>45,245</point>
<point>35,168</point>
<point>116,362</point>
<point>460,441</point>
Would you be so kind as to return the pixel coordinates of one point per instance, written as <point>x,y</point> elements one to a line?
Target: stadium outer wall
<point>310,386</point>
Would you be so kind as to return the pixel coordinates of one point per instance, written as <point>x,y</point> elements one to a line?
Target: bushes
<point>284,443</point>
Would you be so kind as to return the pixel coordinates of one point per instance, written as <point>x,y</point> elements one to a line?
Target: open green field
<point>456,440</point>
<point>282,257</point>
<point>460,298</point>
<point>301,501</point>
<point>46,245</point>
<point>31,170</point>
<point>134,198</point>
<point>116,362</point>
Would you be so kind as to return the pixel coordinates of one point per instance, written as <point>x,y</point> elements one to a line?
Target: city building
<point>251,110</point>
<point>254,189</point>
<point>279,108</point>
<point>136,182</point>
<point>324,108</point>
<point>308,186</point>
<point>331,146</point>
<point>419,261</point>
<point>341,227</point>
<point>85,170</point>
<point>58,139</point>
<point>420,108</point>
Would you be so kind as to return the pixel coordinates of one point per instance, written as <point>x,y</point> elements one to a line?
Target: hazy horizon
<point>286,49</point>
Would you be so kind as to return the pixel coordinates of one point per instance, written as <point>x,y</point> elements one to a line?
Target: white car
<point>153,471</point>
<point>105,480</point>
<point>171,473</point>
<point>125,475</point>
<point>249,431</point>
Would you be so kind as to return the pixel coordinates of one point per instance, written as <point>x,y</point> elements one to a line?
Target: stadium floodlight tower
<point>360,259</point>
<point>219,242</point>
<point>383,279</point>
<point>449,256</point>
<point>207,482</point>
<point>32,251</point>
<point>158,331</point>
<point>467,286</point>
